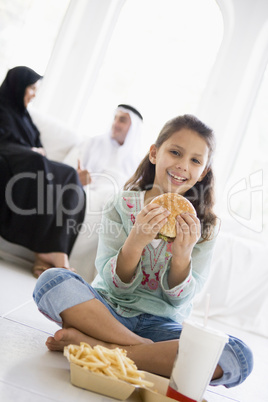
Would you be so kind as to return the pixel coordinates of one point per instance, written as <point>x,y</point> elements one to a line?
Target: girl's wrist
<point>182,253</point>
<point>178,272</point>
<point>127,262</point>
<point>134,242</point>
<point>132,249</point>
<point>180,264</point>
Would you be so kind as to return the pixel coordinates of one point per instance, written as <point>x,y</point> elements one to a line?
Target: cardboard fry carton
<point>100,383</point>
<point>119,389</point>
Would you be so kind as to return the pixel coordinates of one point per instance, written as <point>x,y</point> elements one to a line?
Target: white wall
<point>236,76</point>
<point>76,58</point>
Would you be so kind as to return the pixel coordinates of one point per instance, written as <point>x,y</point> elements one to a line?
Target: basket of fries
<point>106,371</point>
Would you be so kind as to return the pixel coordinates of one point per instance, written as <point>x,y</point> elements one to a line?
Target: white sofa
<point>238,284</point>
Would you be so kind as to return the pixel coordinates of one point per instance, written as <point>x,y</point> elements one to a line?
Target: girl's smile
<point>179,162</point>
<point>177,179</point>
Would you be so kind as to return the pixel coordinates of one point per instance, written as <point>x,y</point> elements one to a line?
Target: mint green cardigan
<point>148,290</point>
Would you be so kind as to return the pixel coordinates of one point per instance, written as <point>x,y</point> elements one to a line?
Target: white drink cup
<point>199,351</point>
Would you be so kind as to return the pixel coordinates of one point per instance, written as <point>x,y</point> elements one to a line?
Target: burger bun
<point>176,204</point>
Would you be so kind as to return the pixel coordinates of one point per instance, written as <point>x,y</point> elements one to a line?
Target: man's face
<point>120,126</point>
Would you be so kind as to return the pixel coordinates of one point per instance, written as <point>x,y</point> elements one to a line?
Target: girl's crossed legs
<point>67,299</point>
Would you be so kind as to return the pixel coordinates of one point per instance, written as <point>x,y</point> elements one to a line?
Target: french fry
<point>111,362</point>
<point>120,362</point>
<point>89,365</point>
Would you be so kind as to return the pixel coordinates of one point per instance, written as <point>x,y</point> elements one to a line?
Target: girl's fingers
<point>182,225</point>
<point>151,219</point>
<point>150,208</point>
<point>157,225</point>
<point>153,212</point>
<point>188,224</point>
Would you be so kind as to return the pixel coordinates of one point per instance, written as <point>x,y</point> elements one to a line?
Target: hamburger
<point>176,204</point>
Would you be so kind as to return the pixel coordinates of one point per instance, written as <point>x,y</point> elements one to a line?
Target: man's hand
<point>84,175</point>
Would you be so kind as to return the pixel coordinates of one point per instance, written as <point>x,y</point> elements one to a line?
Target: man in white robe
<point>112,158</point>
<point>107,162</point>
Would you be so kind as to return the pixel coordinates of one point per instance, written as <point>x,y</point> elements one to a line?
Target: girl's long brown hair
<point>201,194</point>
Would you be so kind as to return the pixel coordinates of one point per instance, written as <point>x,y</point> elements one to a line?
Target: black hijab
<point>15,122</point>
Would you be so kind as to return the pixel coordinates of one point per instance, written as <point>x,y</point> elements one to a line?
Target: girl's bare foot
<point>67,336</point>
<point>157,358</point>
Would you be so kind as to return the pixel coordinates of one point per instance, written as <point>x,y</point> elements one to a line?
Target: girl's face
<point>179,162</point>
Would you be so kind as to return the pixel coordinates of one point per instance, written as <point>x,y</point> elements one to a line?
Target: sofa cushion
<point>238,284</point>
<point>57,138</point>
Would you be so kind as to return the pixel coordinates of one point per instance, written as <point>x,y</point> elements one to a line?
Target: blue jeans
<point>58,289</point>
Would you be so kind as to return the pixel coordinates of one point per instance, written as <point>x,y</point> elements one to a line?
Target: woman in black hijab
<point>42,202</point>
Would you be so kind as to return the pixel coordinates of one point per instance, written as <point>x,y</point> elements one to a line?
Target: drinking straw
<point>206,309</point>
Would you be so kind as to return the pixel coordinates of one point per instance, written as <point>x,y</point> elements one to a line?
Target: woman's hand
<point>39,150</point>
<point>188,234</point>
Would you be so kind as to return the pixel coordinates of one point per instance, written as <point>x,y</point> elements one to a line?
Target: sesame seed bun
<point>176,204</point>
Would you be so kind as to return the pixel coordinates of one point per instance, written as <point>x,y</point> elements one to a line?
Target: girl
<point>145,287</point>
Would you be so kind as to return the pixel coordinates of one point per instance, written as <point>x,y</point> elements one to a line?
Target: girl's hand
<point>188,233</point>
<point>148,223</point>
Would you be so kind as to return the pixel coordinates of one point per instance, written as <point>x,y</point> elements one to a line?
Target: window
<point>28,29</point>
<point>159,58</point>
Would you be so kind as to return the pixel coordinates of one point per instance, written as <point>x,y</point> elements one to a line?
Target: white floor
<point>30,373</point>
